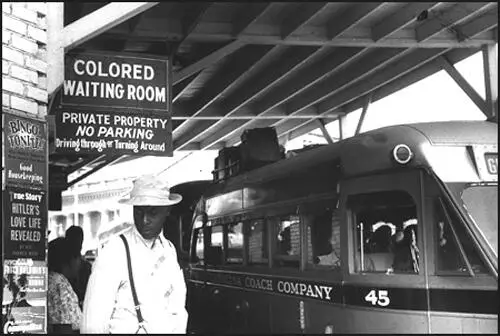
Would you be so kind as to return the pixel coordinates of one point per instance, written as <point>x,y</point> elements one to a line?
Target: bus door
<point>463,289</point>
<point>384,271</point>
<point>195,280</point>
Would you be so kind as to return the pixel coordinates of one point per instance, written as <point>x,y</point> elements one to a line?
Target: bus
<point>177,227</point>
<point>391,231</point>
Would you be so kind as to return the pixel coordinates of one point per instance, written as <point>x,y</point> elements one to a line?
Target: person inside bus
<point>158,280</point>
<point>380,256</point>
<point>324,241</point>
<point>328,256</point>
<point>285,241</point>
<point>406,253</point>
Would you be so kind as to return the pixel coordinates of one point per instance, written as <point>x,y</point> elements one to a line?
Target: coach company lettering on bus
<point>391,231</point>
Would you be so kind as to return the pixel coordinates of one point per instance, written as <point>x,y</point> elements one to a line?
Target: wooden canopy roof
<point>291,65</point>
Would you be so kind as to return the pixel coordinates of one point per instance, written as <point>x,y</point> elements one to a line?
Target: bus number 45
<point>378,297</point>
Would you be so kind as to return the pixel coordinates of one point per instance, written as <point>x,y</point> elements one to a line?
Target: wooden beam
<point>363,113</point>
<point>398,68</point>
<point>343,21</point>
<point>308,76</point>
<point>207,61</point>
<point>270,34</point>
<point>464,85</point>
<point>246,117</point>
<point>55,50</point>
<point>483,23</point>
<point>305,77</point>
<point>490,66</point>
<point>248,15</point>
<point>368,64</point>
<point>404,65</point>
<point>192,19</point>
<point>441,21</point>
<point>323,129</point>
<point>410,78</point>
<point>275,72</point>
<point>304,14</point>
<point>108,161</point>
<point>134,22</point>
<point>182,87</point>
<point>400,19</point>
<point>101,20</point>
<point>233,70</point>
<point>391,87</point>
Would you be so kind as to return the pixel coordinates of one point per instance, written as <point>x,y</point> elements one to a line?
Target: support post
<point>101,20</point>
<point>363,113</point>
<point>55,49</point>
<point>490,66</point>
<point>341,127</point>
<point>464,85</point>
<point>321,124</point>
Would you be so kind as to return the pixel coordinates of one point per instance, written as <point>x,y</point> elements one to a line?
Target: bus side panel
<point>367,320</point>
<point>258,319</point>
<point>454,323</point>
<point>320,315</point>
<point>285,314</point>
<point>216,303</point>
<point>235,310</point>
<point>195,291</point>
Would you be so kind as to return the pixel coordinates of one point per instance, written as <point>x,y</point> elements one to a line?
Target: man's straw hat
<point>150,190</point>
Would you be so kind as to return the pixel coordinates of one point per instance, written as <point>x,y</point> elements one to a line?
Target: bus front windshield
<point>481,203</point>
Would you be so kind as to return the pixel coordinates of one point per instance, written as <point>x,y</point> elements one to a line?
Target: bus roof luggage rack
<point>259,147</point>
<point>227,163</point>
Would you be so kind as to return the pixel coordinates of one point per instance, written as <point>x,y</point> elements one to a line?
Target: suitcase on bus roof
<point>259,146</point>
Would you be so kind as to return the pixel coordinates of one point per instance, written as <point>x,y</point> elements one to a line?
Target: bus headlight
<point>402,154</point>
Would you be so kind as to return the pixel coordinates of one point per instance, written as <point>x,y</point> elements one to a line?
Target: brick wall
<point>24,58</point>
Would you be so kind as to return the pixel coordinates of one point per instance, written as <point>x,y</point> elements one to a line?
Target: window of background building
<point>257,242</point>
<point>235,243</point>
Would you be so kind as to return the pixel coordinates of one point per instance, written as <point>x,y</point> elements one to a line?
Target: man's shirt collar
<point>149,244</point>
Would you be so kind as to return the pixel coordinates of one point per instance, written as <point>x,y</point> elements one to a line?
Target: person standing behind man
<point>159,281</point>
<point>74,236</point>
<point>62,301</point>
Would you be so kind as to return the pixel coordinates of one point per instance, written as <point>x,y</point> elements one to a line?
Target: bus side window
<point>323,237</point>
<point>257,241</point>
<point>199,246</point>
<point>235,243</point>
<point>385,232</point>
<point>287,240</point>
<point>455,249</point>
<point>215,249</point>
